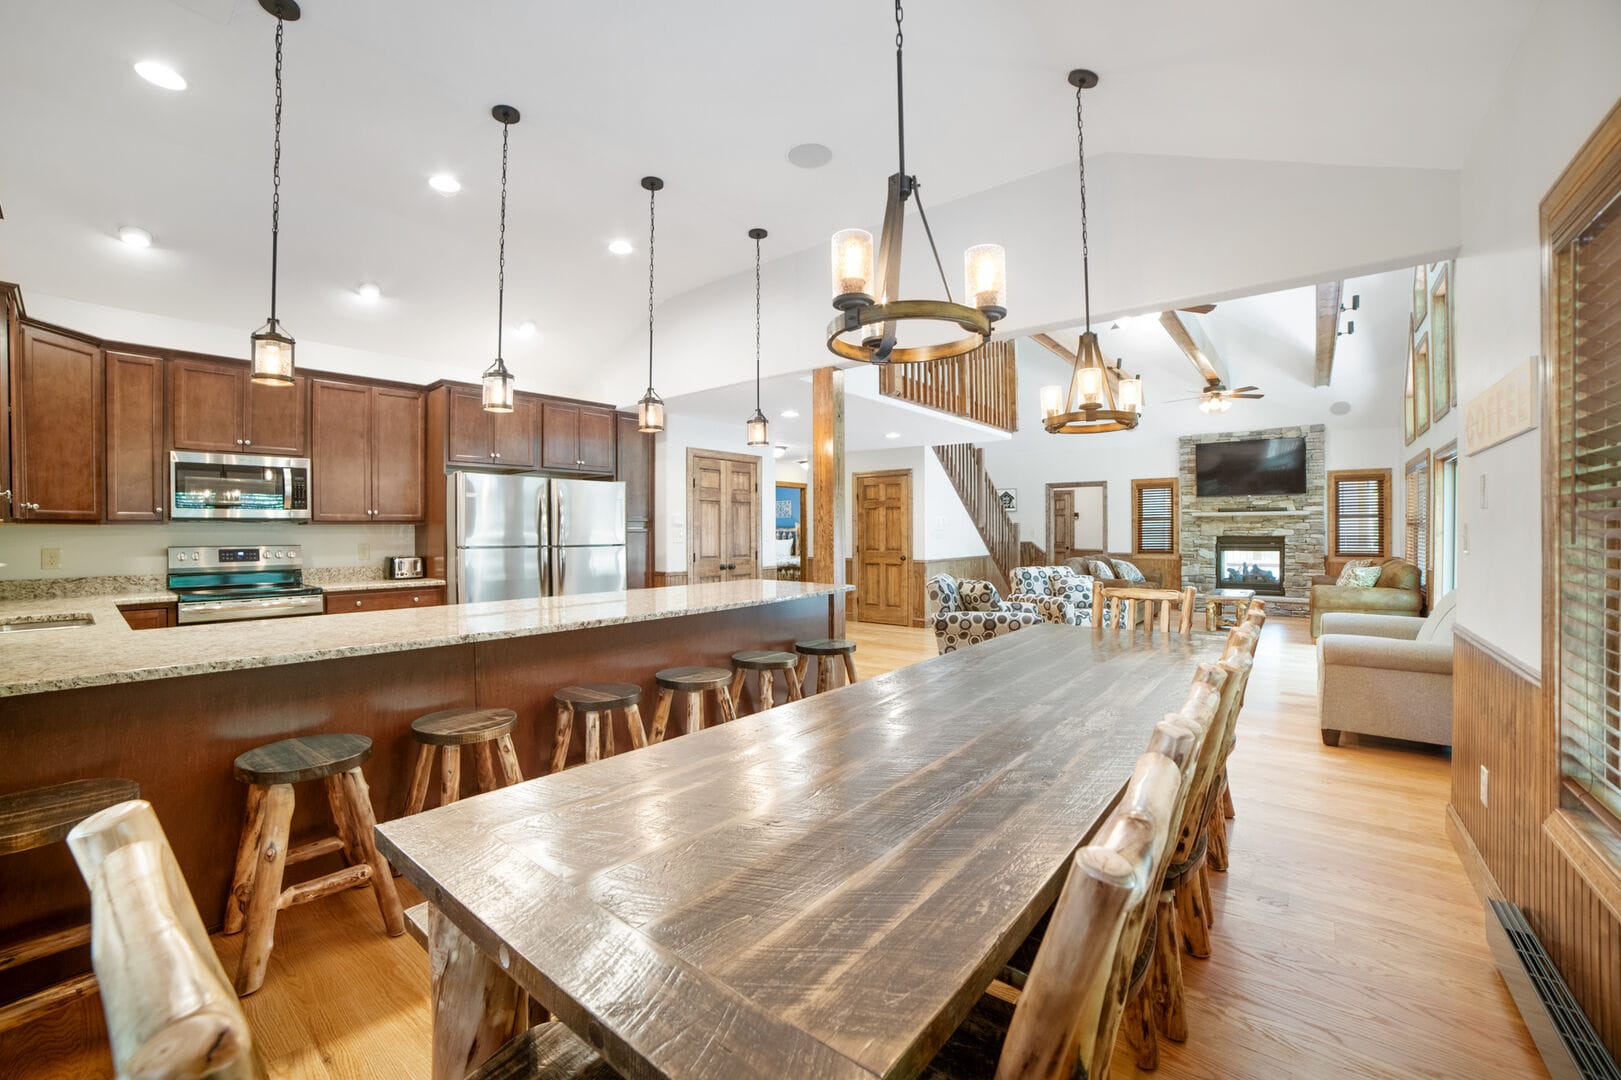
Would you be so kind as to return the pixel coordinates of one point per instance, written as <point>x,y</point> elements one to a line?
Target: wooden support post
<point>827,488</point>
<point>476,1006</point>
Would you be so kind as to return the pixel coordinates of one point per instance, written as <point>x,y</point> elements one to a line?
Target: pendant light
<point>1099,397</point>
<point>497,379</point>
<point>864,329</point>
<point>272,347</point>
<point>650,410</point>
<point>759,429</point>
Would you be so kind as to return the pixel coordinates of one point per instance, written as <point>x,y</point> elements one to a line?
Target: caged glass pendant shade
<point>985,278</point>
<point>852,268</point>
<point>272,363</point>
<point>759,429</point>
<point>497,387</point>
<point>650,413</point>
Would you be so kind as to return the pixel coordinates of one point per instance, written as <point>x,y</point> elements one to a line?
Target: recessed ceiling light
<point>892,434</point>
<point>778,451</point>
<point>444,183</point>
<point>368,292</point>
<point>135,236</point>
<point>788,414</point>
<point>620,247</point>
<point>804,463</point>
<point>527,328</point>
<point>1340,408</point>
<point>810,155</point>
<point>158,73</point>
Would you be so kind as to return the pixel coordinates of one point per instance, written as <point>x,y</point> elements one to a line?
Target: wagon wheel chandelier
<point>1100,397</point>
<point>865,329</point>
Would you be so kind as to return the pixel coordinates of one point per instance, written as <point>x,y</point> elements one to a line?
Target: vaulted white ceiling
<point>709,95</point>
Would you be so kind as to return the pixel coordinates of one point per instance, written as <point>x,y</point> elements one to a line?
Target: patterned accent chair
<point>969,611</point>
<point>1059,594</point>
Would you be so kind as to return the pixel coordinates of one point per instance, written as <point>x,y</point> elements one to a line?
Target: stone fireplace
<point>1251,562</point>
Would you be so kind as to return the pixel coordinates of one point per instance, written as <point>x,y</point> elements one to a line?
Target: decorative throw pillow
<point>1102,570</point>
<point>979,596</point>
<point>1127,571</point>
<point>1348,574</point>
<point>1365,577</point>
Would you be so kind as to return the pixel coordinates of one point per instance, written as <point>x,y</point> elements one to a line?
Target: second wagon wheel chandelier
<point>869,310</point>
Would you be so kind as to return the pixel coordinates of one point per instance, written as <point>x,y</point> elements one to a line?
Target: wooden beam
<point>1328,329</point>
<point>1190,337</point>
<point>827,486</point>
<point>1047,342</point>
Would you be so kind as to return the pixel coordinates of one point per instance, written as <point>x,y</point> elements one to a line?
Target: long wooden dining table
<point>820,890</point>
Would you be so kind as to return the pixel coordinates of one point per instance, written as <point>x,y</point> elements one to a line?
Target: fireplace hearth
<point>1251,562</point>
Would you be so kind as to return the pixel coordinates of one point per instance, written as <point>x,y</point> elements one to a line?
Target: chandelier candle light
<point>759,428</point>
<point>650,410</point>
<point>866,330</point>
<point>272,355</point>
<point>1100,397</point>
<point>497,379</point>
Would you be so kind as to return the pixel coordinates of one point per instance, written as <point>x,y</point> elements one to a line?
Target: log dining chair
<point>1218,822</point>
<point>171,1011</point>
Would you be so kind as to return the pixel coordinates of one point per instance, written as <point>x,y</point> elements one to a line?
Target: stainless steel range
<point>221,584</point>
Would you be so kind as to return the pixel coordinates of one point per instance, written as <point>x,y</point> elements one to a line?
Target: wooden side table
<point>1216,599</point>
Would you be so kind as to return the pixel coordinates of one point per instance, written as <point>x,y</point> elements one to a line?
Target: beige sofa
<point>1387,675</point>
<point>1397,592</point>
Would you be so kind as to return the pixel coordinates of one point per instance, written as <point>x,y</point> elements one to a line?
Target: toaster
<point>403,566</point>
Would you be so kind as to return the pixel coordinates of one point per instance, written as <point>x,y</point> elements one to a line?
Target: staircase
<point>965,465</point>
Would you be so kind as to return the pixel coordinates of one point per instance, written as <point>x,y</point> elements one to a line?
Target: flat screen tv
<point>1252,467</point>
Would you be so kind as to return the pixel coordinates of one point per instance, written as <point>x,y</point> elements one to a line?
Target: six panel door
<point>706,531</point>
<point>137,476</point>
<point>57,428</point>
<point>884,547</point>
<point>742,535</point>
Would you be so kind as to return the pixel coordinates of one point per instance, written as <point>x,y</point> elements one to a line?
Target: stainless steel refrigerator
<point>516,537</point>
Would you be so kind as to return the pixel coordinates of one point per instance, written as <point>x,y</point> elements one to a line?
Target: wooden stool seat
<point>458,727</point>
<point>824,650</point>
<point>263,854</point>
<point>597,702</point>
<point>31,819</point>
<point>765,662</point>
<point>693,679</point>
<point>693,683</point>
<point>307,757</point>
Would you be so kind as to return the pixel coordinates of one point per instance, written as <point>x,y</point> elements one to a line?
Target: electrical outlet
<point>50,558</point>
<point>1484,777</point>
<point>364,552</point>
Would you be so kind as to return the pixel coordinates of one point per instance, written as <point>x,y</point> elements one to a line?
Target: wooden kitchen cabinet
<point>137,479</point>
<point>214,407</point>
<point>634,468</point>
<point>576,438</point>
<point>58,428</point>
<point>486,439</point>
<point>366,461</point>
<point>384,599</point>
<point>149,616</point>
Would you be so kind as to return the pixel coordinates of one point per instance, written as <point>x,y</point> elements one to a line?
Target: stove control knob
<point>181,557</point>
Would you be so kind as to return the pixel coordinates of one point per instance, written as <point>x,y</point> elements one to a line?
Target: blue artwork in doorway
<point>789,507</point>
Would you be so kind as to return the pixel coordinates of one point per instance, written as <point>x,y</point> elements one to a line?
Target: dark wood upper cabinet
<point>215,407</point>
<point>490,440</point>
<point>136,475</point>
<point>58,428</point>
<point>596,439</point>
<point>576,438</point>
<point>512,435</point>
<point>367,452</point>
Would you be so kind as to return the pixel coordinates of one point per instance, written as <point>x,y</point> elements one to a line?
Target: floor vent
<point>1566,1040</point>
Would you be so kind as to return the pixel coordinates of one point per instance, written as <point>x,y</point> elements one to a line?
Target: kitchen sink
<point>46,622</point>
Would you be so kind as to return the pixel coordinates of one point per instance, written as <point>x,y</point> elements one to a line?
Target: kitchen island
<point>171,708</point>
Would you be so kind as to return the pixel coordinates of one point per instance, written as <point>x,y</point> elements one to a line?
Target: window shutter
<point>1361,514</point>
<point>1418,514</point>
<point>1587,380</point>
<point>1156,524</point>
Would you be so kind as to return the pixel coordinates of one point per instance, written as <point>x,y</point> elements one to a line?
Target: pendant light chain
<point>900,86</point>
<point>1086,268</point>
<point>501,274</point>
<point>275,181</point>
<point>652,204</point>
<point>757,324</point>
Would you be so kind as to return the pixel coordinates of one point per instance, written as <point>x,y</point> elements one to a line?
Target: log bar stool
<point>256,893</point>
<point>693,682</point>
<point>765,663</point>
<point>825,649</point>
<point>33,819</point>
<point>597,701</point>
<point>487,731</point>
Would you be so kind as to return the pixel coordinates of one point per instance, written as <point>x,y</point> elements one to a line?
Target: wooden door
<point>883,547</point>
<point>559,436</point>
<point>742,534</point>
<point>58,428</point>
<point>1063,511</point>
<point>398,442</point>
<point>340,451</point>
<point>513,434</point>
<point>136,473</point>
<point>205,406</point>
<point>723,516</point>
<point>468,428</point>
<point>277,418</point>
<point>634,454</point>
<point>596,435</point>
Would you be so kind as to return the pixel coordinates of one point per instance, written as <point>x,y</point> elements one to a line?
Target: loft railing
<point>982,385</point>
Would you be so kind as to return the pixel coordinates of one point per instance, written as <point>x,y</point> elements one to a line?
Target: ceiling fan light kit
<point>865,289</point>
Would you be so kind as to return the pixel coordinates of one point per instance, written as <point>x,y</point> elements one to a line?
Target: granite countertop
<point>110,652</point>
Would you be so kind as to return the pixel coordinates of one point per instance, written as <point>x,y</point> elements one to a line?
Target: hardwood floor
<point>1347,942</point>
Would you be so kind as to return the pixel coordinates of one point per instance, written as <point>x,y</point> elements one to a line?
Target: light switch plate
<point>50,558</point>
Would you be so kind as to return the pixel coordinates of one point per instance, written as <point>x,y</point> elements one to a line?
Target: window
<point>1445,516</point>
<point>1416,548</point>
<point>1582,491</point>
<point>1359,513</point>
<point>1154,516</point>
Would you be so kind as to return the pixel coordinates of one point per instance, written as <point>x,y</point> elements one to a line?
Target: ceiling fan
<point>1217,398</point>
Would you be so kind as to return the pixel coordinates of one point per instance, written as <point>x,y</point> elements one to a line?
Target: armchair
<point>969,611</point>
<point>1397,592</point>
<point>1388,675</point>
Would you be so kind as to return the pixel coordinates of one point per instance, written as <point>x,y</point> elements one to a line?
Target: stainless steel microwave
<point>238,487</point>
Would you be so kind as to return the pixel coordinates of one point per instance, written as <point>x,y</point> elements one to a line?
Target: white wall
<point>941,528</point>
<point>670,485</point>
<point>142,550</point>
<point>1561,83</point>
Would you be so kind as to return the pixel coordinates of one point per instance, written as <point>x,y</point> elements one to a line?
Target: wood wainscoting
<point>1499,722</point>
